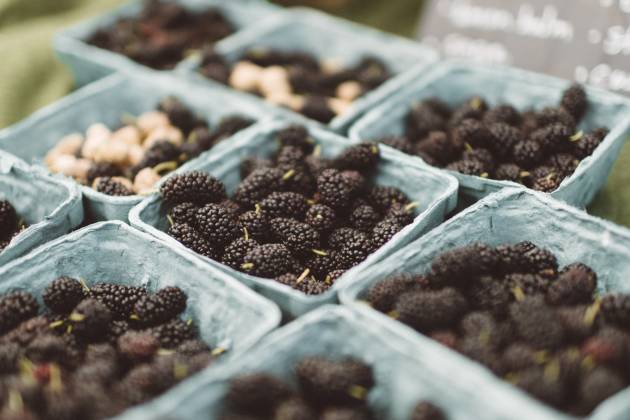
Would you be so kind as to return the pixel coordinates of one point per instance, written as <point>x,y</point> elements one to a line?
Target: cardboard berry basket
<point>338,333</point>
<point>509,216</point>
<point>89,63</point>
<point>435,193</point>
<point>108,101</point>
<point>326,38</point>
<point>228,315</point>
<point>48,207</point>
<point>454,82</point>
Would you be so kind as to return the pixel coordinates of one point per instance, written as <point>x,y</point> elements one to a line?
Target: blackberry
<point>327,382</point>
<point>503,114</point>
<point>398,143</point>
<point>317,108</point>
<point>173,333</point>
<point>256,394</point>
<point>422,120</point>
<point>195,187</point>
<point>295,235</point>
<point>174,298</point>
<point>546,388</point>
<point>294,409</point>
<point>217,224</point>
<point>235,252</point>
<point>334,189</point>
<point>553,115</point>
<point>537,323</point>
<point>473,133</point>
<point>425,410</point>
<point>527,283</point>
<point>137,346</point>
<point>491,295</point>
<point>615,308</point>
<point>255,223</point>
<point>575,284</point>
<point>553,138</point>
<point>268,261</point>
<point>184,213</point>
<point>250,164</point>
<point>178,114</point>
<point>120,299</point>
<point>258,185</point>
<point>383,197</point>
<point>110,186</point>
<point>16,307</point>
<point>102,170</point>
<point>574,100</point>
<point>598,385</point>
<point>159,152</point>
<point>483,156</point>
<point>383,295</point>
<point>90,319</point>
<point>585,145</point>
<point>297,136</point>
<point>321,217</point>
<point>308,285</point>
<point>575,322</point>
<point>468,167</point>
<point>509,172</point>
<point>384,231</point>
<point>190,238</point>
<point>284,204</point>
<point>504,138</point>
<point>438,146</point>
<point>426,310</point>
<point>527,153</point>
<point>362,158</point>
<point>63,294</point>
<point>364,218</point>
<point>457,265</point>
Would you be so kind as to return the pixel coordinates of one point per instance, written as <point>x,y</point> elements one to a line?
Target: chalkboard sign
<point>583,40</point>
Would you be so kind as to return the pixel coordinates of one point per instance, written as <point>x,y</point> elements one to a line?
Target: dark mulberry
<point>217,224</point>
<point>383,197</point>
<point>504,114</point>
<point>15,308</point>
<point>195,187</point>
<point>537,323</point>
<point>575,101</point>
<point>256,393</point>
<point>256,223</point>
<point>321,217</point>
<point>119,298</point>
<point>334,189</point>
<point>527,153</point>
<point>575,284</point>
<point>474,133</point>
<point>184,213</point>
<point>190,238</point>
<point>284,204</point>
<point>269,261</point>
<point>295,235</point>
<point>110,186</point>
<point>384,231</point>
<point>258,185</point>
<point>235,252</point>
<point>468,167</point>
<point>383,295</point>
<point>90,319</point>
<point>363,158</point>
<point>426,310</point>
<point>615,308</point>
<point>63,294</point>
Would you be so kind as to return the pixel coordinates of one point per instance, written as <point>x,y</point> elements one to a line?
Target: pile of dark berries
<point>93,352</point>
<point>538,149</point>
<point>513,309</point>
<point>297,217</point>
<point>327,390</point>
<point>131,159</point>
<point>426,410</point>
<point>163,34</point>
<point>10,224</point>
<point>297,80</point>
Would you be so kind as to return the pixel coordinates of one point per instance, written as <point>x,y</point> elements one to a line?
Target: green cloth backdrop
<point>31,77</point>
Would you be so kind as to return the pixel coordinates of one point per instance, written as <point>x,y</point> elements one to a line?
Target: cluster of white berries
<point>125,148</point>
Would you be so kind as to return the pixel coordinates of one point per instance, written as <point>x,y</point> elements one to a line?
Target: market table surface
<point>31,77</point>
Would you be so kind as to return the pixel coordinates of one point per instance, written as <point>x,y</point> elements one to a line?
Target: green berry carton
<point>47,207</point>
<point>229,317</point>
<point>433,191</point>
<point>327,38</point>
<point>507,217</point>
<point>454,82</point>
<point>109,101</point>
<point>89,63</point>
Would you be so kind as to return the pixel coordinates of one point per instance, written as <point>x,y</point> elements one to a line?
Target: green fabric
<point>31,77</point>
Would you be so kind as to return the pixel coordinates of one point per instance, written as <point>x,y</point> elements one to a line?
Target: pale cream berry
<point>152,120</point>
<point>339,106</point>
<point>145,181</point>
<point>349,90</point>
<point>331,65</point>
<point>166,133</point>
<point>128,134</point>
<point>245,76</point>
<point>274,79</point>
<point>99,131</point>
<point>69,145</point>
<point>115,152</point>
<point>135,156</point>
<point>70,165</point>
